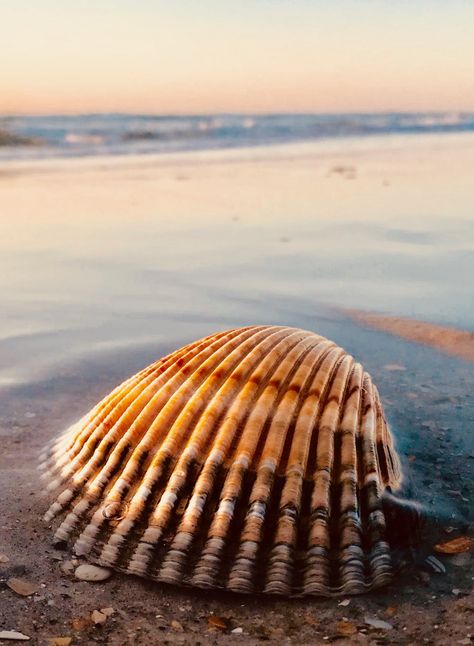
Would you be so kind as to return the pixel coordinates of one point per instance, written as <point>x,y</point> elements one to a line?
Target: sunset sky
<point>70,56</point>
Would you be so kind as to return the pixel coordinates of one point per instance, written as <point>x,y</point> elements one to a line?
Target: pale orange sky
<point>248,56</point>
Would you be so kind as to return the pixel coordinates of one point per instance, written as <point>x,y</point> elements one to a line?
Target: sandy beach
<point>109,263</point>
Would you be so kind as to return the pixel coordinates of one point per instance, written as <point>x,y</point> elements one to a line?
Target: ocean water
<point>118,134</point>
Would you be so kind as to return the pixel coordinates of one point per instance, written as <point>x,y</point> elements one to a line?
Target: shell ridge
<point>279,578</point>
<point>319,390</point>
<point>161,370</point>
<point>242,572</point>
<point>388,459</point>
<point>133,417</point>
<point>158,365</point>
<point>239,473</point>
<point>380,560</point>
<point>350,553</point>
<point>65,499</point>
<point>270,412</point>
<point>348,408</point>
<point>268,367</point>
<point>127,389</point>
<point>82,475</point>
<point>317,571</point>
<point>204,427</point>
<point>321,351</point>
<point>279,384</point>
<point>139,494</point>
<point>103,407</point>
<point>127,483</point>
<point>227,434</point>
<point>377,559</point>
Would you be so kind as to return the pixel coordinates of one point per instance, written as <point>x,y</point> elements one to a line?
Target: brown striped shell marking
<point>253,460</point>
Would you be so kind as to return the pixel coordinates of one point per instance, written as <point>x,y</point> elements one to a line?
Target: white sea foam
<point>118,134</point>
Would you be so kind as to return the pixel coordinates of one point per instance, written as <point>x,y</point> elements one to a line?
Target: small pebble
<point>237,631</point>
<point>22,587</point>
<point>98,617</point>
<point>346,628</point>
<point>67,567</point>
<point>81,623</point>
<point>379,624</point>
<point>92,573</point>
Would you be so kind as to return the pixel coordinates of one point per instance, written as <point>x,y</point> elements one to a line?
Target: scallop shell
<point>253,460</point>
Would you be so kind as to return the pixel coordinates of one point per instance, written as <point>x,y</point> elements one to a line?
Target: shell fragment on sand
<point>253,460</point>
<point>13,635</point>
<point>22,587</point>
<point>457,545</point>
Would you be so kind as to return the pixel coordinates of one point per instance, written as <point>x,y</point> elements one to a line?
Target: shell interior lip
<point>253,460</point>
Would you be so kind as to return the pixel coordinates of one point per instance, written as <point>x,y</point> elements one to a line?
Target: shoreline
<point>359,147</point>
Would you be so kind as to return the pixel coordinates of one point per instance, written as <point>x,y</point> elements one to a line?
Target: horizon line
<point>230,113</point>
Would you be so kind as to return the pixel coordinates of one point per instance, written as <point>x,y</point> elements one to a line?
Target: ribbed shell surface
<point>253,460</point>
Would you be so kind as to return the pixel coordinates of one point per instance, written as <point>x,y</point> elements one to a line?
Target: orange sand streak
<point>457,343</point>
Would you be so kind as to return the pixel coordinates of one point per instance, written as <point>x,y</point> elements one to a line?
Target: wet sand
<point>87,304</point>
